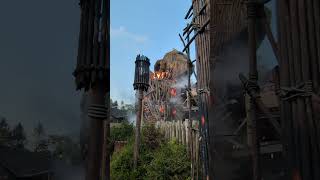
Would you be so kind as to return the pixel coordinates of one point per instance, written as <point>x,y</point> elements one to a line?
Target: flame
<point>296,175</point>
<point>160,75</point>
<point>161,109</point>
<point>202,120</point>
<point>174,112</point>
<point>173,92</point>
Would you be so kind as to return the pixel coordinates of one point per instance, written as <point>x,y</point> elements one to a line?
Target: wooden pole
<point>97,96</point>
<point>137,134</point>
<point>105,62</point>
<point>312,154</point>
<point>253,76</point>
<point>285,107</point>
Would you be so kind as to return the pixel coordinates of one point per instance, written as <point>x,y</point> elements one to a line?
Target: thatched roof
<point>174,61</point>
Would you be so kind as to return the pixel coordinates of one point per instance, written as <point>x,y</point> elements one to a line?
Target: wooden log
<point>295,71</point>
<point>96,44</point>
<point>183,133</point>
<point>316,15</point>
<point>81,38</point>
<point>89,40</point>
<point>137,131</point>
<point>312,39</point>
<point>309,123</point>
<point>285,107</point>
<point>253,76</point>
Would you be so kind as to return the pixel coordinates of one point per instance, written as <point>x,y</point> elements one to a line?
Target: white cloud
<point>122,32</point>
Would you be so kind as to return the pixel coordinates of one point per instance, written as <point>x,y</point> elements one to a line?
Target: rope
<point>303,89</point>
<point>204,90</point>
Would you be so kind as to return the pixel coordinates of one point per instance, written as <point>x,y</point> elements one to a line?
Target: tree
<point>115,104</point>
<point>39,130</point>
<point>122,105</point>
<point>18,136</point>
<point>4,133</point>
<point>40,140</point>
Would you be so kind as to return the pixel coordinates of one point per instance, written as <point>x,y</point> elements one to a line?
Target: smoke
<point>181,83</point>
<point>132,118</point>
<point>64,171</point>
<point>37,64</point>
<point>232,61</point>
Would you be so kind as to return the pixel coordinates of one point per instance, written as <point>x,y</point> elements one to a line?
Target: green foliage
<point>122,132</point>
<point>122,164</point>
<point>4,132</point>
<point>152,137</point>
<point>157,159</point>
<point>39,131</point>
<point>170,162</point>
<point>18,136</point>
<point>40,143</point>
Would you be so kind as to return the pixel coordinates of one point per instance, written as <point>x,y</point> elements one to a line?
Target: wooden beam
<point>198,32</point>
<point>188,12</point>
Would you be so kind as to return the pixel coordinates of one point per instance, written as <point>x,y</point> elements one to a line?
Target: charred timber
<point>197,33</point>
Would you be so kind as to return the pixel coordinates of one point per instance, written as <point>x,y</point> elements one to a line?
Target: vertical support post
<point>189,105</point>
<point>97,98</point>
<point>253,76</point>
<point>138,125</point>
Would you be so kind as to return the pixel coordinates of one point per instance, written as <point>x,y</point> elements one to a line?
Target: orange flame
<point>161,109</point>
<point>173,92</point>
<point>160,75</point>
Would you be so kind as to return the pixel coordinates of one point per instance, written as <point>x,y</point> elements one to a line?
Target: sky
<point>143,27</point>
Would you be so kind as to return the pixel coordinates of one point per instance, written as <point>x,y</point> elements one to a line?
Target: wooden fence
<point>179,130</point>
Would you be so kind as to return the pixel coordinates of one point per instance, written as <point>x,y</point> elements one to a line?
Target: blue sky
<point>143,26</point>
<point>150,28</point>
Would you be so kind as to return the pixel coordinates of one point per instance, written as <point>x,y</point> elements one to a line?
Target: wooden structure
<point>227,35</point>
<point>299,49</point>
<point>92,74</point>
<point>164,99</point>
<point>221,32</point>
<point>141,84</point>
<point>199,12</point>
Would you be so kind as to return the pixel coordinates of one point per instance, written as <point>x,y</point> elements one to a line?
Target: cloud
<point>122,32</point>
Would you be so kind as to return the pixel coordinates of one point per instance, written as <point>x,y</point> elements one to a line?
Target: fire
<point>202,120</point>
<point>296,175</point>
<point>174,112</point>
<point>173,92</point>
<point>161,109</point>
<point>160,75</point>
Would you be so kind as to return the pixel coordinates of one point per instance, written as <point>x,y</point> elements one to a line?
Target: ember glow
<point>296,175</point>
<point>161,109</point>
<point>160,75</point>
<point>174,112</point>
<point>173,92</point>
<point>202,120</point>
